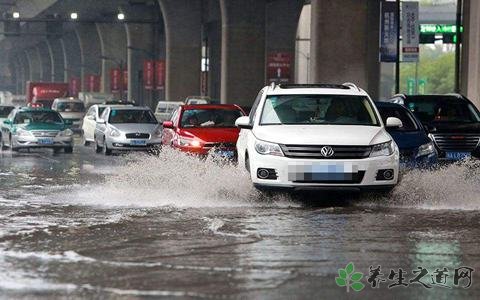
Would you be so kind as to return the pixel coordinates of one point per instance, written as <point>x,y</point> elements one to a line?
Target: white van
<point>165,108</point>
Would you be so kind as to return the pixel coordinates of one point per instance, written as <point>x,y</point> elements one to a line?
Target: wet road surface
<point>83,225</point>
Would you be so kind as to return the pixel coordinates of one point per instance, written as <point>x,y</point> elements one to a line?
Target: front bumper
<point>35,142</point>
<point>363,172</point>
<point>124,144</point>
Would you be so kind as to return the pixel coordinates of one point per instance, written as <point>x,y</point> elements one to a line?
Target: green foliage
<point>436,67</point>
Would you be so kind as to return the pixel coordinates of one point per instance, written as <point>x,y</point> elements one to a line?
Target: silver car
<point>126,128</point>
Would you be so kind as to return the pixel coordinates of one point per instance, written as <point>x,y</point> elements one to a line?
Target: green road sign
<point>411,86</point>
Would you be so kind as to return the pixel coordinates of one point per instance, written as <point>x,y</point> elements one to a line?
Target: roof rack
<point>314,85</point>
<point>351,85</point>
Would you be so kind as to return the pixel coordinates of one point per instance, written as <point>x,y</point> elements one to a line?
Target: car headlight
<point>114,133</point>
<point>158,132</point>
<point>24,133</point>
<point>186,142</point>
<point>66,132</point>
<point>266,148</point>
<point>383,149</point>
<point>426,149</point>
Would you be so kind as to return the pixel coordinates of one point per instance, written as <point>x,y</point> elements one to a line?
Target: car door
<point>101,126</point>
<point>89,123</point>
<point>169,133</point>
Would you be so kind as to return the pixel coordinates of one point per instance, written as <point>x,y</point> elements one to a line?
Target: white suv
<point>317,136</point>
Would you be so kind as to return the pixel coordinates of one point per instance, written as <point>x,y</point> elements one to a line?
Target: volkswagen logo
<point>327,151</point>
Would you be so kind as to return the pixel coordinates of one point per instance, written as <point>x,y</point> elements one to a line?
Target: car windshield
<point>318,109</point>
<point>432,109</point>
<point>5,111</point>
<point>210,118</point>
<point>70,107</point>
<point>131,116</point>
<point>400,113</point>
<point>50,117</point>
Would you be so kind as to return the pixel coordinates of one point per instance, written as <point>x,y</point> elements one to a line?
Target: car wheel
<point>68,149</point>
<point>106,151</point>
<point>2,144</point>
<point>98,149</point>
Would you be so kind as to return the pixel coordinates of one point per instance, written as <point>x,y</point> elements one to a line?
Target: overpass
<point>215,47</point>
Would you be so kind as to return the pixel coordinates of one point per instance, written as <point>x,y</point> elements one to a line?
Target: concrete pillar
<point>470,56</point>
<point>46,61</point>
<point>243,50</point>
<point>182,19</point>
<point>24,70</point>
<point>34,64</point>
<point>72,54</point>
<point>113,45</point>
<point>17,69</point>
<point>281,31</point>
<point>344,43</point>
<point>89,43</point>
<point>56,50</point>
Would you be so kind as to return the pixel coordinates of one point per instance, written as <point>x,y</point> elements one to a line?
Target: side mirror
<point>243,123</point>
<point>7,122</point>
<point>167,124</point>
<point>393,122</point>
<point>100,121</point>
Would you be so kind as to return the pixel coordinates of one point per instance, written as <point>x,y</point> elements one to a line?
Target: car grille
<point>45,133</point>
<point>137,135</point>
<point>220,145</point>
<point>456,142</point>
<point>350,178</point>
<point>313,151</point>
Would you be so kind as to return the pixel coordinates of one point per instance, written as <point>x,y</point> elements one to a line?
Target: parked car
<point>416,148</point>
<point>195,100</point>
<point>70,109</point>
<point>165,109</point>
<point>36,128</point>
<point>200,128</point>
<point>5,110</point>
<point>90,122</point>
<point>126,128</point>
<point>318,136</point>
<point>453,123</point>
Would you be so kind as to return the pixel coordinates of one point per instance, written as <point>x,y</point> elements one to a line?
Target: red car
<point>200,128</point>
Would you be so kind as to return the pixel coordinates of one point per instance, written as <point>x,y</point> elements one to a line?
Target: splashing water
<point>176,179</point>
<point>453,186</point>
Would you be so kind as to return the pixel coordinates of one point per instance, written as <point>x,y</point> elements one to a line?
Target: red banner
<point>278,67</point>
<point>92,83</point>
<point>160,74</point>
<point>115,80</point>
<point>148,74</point>
<point>74,86</point>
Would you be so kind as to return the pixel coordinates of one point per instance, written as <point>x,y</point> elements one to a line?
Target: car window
<point>400,113</point>
<point>70,107</point>
<point>318,109</point>
<point>253,110</point>
<point>5,111</point>
<point>432,109</point>
<point>210,118</point>
<point>124,116</point>
<point>37,117</point>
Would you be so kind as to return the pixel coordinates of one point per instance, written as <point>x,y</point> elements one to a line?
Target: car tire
<point>98,149</point>
<point>106,151</point>
<point>68,149</point>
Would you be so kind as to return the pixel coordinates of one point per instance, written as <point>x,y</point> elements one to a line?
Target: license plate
<point>322,172</point>
<point>225,153</point>
<point>45,141</point>
<point>138,142</point>
<point>457,155</point>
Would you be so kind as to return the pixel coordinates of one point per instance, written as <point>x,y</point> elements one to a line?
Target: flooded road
<point>88,226</point>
